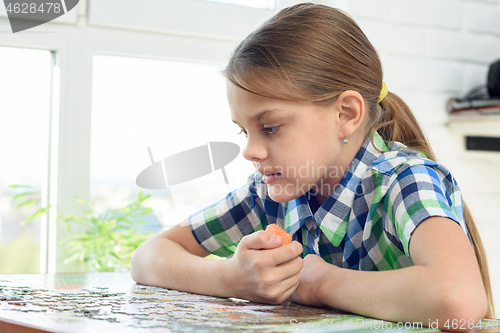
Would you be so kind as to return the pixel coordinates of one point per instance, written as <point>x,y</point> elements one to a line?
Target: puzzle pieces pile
<point>80,302</point>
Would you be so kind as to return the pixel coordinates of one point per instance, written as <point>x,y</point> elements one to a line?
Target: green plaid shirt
<point>365,224</point>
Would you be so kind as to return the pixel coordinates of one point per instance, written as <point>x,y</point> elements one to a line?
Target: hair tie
<point>383,92</point>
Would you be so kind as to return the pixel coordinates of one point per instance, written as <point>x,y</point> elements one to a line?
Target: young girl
<point>379,227</point>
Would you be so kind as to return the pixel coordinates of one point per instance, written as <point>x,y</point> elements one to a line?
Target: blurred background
<point>84,96</point>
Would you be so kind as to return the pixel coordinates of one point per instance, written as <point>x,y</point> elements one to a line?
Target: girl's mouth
<point>270,177</point>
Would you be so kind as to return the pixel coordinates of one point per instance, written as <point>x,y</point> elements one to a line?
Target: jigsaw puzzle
<point>115,303</point>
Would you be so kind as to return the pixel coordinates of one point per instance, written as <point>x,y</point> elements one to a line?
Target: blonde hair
<point>313,53</point>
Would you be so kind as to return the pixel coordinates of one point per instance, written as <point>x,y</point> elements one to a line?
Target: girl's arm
<point>444,285</point>
<point>260,269</point>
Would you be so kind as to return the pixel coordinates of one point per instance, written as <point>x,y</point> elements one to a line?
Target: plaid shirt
<point>365,224</point>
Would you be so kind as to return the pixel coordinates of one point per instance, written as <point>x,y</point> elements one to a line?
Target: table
<point>113,302</point>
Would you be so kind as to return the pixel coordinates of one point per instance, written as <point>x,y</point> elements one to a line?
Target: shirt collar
<point>334,213</point>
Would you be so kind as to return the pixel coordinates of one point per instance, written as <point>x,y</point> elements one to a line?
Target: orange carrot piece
<point>277,230</point>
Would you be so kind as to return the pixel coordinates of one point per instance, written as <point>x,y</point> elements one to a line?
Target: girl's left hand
<point>314,273</point>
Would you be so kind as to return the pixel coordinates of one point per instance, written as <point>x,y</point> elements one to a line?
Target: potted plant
<point>108,239</point>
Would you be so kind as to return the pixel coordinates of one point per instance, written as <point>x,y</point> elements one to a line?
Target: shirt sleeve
<point>420,192</point>
<point>219,228</point>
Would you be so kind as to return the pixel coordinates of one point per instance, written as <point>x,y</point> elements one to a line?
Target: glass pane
<point>24,118</point>
<point>265,4</point>
<point>170,107</point>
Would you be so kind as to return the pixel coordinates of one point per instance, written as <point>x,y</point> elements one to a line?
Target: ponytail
<point>481,259</point>
<point>396,122</point>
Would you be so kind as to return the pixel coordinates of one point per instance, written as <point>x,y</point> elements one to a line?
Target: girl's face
<point>295,146</point>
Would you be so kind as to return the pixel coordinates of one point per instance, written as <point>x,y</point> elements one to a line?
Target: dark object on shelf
<point>482,143</point>
<point>494,79</point>
<point>473,106</point>
<point>481,99</point>
<point>492,87</point>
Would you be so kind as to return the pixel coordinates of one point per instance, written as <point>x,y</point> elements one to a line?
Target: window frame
<point>74,41</point>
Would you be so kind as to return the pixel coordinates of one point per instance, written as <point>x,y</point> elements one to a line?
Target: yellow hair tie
<point>383,92</point>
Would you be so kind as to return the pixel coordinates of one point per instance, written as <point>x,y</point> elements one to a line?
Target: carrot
<point>278,231</point>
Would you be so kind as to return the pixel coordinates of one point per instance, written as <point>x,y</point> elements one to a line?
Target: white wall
<point>430,50</point>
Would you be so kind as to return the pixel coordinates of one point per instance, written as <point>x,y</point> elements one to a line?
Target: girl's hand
<point>262,271</point>
<point>311,278</point>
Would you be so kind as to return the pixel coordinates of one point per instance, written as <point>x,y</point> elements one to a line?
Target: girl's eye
<point>270,130</point>
<point>242,131</point>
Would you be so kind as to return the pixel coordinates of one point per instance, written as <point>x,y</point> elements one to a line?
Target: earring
<point>345,140</point>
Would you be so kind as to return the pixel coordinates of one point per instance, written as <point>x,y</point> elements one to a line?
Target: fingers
<point>284,253</point>
<point>261,240</point>
<point>289,277</point>
<point>290,284</point>
<point>265,241</point>
<point>279,291</point>
<point>290,291</point>
<point>290,269</point>
<point>272,269</point>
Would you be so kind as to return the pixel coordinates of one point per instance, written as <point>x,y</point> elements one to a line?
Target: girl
<point>379,227</point>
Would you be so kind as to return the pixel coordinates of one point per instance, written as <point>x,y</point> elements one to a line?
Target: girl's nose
<point>255,150</point>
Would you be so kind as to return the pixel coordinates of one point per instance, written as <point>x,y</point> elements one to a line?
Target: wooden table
<point>113,302</point>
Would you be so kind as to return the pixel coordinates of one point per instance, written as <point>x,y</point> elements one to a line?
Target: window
<point>265,4</point>
<point>24,123</point>
<point>167,106</point>
<point>194,18</point>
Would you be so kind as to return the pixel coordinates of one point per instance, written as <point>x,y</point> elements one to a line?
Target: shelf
<point>485,125</point>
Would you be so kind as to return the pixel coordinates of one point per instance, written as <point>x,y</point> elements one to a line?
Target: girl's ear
<point>351,112</point>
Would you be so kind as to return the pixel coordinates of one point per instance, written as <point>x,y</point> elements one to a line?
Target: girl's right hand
<point>262,271</point>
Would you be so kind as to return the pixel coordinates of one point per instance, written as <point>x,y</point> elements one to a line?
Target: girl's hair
<point>313,53</point>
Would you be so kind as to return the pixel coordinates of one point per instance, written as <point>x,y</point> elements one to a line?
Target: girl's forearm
<point>164,263</point>
<point>413,294</point>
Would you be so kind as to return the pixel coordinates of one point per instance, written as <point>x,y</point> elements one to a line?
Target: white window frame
<point>115,27</point>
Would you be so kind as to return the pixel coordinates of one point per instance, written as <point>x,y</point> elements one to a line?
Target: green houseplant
<point>28,197</point>
<point>104,242</point>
